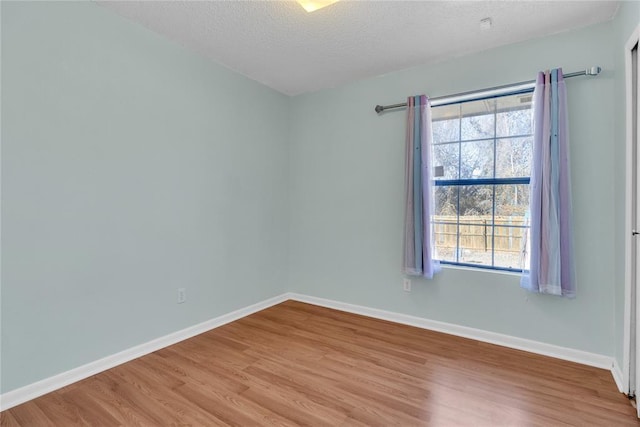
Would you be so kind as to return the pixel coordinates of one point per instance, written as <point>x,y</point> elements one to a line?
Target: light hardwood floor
<point>299,364</point>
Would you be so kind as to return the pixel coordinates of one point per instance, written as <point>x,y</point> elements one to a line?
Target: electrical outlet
<point>182,295</point>
<point>406,285</point>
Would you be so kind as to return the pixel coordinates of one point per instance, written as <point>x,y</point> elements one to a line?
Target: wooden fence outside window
<point>476,233</point>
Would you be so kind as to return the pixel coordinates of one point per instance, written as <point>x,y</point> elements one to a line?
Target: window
<point>482,162</point>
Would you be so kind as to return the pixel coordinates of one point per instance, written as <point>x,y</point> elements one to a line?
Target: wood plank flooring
<point>299,364</point>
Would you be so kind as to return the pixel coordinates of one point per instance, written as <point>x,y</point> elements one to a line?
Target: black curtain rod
<point>444,100</point>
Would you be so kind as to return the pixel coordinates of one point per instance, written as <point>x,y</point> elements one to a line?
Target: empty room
<point>340,213</point>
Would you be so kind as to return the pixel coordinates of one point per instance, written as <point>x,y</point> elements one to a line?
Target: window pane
<point>446,155</point>
<point>514,115</point>
<point>445,223</point>
<point>446,130</point>
<point>513,157</point>
<point>476,205</point>
<point>509,245</point>
<point>446,200</point>
<point>476,127</point>
<point>476,159</point>
<point>476,241</point>
<point>477,120</point>
<point>512,201</point>
<point>445,237</point>
<point>475,200</point>
<point>445,112</point>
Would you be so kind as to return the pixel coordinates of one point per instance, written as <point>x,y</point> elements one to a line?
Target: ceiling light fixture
<point>313,5</point>
<point>485,24</point>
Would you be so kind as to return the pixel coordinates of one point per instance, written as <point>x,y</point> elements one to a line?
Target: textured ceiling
<point>280,45</point>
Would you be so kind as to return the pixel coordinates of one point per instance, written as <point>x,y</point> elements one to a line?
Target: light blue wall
<point>130,167</point>
<point>346,193</point>
<point>627,19</point>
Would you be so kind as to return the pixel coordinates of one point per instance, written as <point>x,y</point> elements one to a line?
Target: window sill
<point>481,270</point>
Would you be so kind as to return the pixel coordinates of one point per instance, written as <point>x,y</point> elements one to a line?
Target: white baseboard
<point>616,372</point>
<point>564,353</point>
<point>31,391</point>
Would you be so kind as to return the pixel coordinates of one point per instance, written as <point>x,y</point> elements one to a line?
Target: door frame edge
<point>632,41</point>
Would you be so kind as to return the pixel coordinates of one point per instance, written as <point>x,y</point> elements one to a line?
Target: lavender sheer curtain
<point>419,202</point>
<point>551,269</point>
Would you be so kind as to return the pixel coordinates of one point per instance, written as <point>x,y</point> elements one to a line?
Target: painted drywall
<point>628,18</point>
<point>346,193</point>
<point>130,167</point>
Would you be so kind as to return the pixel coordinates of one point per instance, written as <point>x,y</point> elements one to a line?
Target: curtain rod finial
<point>593,71</point>
<point>379,109</point>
